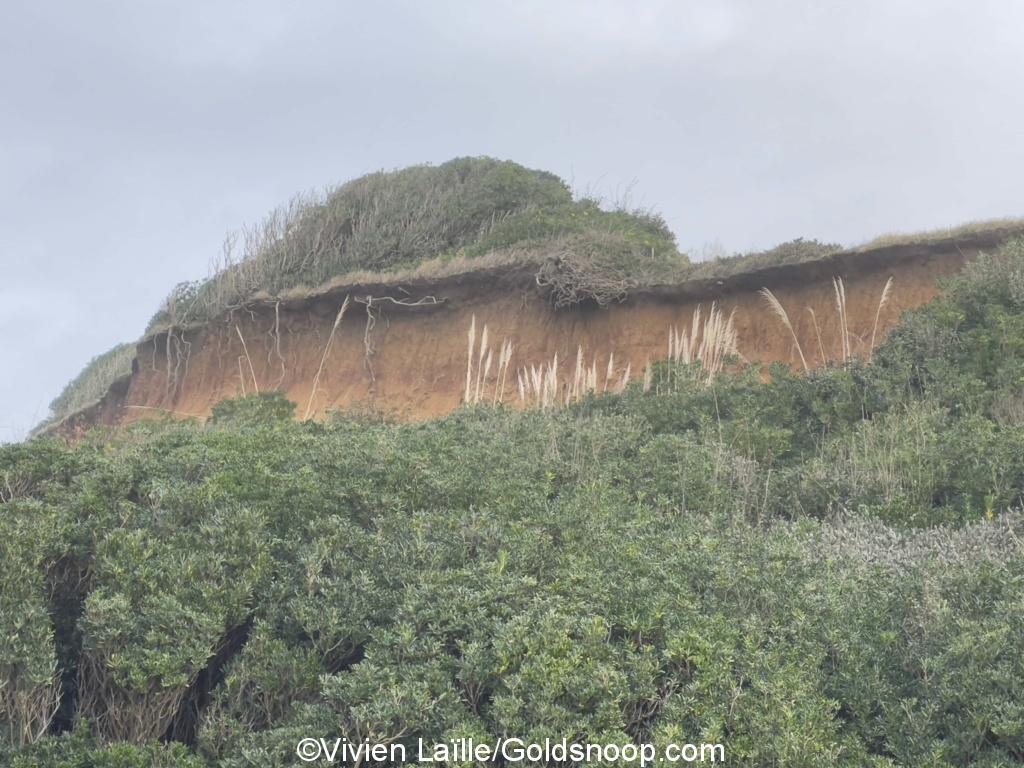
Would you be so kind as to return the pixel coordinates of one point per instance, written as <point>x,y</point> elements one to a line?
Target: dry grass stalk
<point>469,360</point>
<point>709,342</point>
<point>844,328</point>
<point>683,348</point>
<point>485,359</point>
<point>780,312</point>
<point>276,335</point>
<point>882,301</point>
<point>817,335</point>
<point>323,359</point>
<point>540,385</point>
<point>484,351</point>
<point>504,358</point>
<point>719,342</point>
<point>487,370</point>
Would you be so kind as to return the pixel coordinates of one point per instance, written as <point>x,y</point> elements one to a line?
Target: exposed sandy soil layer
<point>411,361</point>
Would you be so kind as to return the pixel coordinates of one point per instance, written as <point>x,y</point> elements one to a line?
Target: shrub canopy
<point>820,570</point>
<point>470,206</point>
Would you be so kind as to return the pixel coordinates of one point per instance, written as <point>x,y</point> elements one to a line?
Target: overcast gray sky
<point>133,134</point>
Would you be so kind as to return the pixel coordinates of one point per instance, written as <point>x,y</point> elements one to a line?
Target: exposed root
<point>245,349</point>
<point>373,312</point>
<point>275,348</point>
<point>182,352</point>
<point>188,354</point>
<point>327,349</point>
<point>371,321</point>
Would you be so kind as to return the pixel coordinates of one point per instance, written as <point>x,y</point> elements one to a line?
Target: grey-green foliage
<point>588,571</point>
<point>790,252</point>
<point>816,570</point>
<point>92,383</point>
<point>390,220</point>
<point>28,663</point>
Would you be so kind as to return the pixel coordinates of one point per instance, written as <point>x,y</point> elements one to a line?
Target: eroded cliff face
<point>411,360</point>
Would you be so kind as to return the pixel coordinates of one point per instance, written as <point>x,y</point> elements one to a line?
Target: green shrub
<point>401,219</point>
<point>262,410</point>
<point>813,570</point>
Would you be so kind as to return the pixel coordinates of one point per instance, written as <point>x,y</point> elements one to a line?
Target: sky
<point>135,134</point>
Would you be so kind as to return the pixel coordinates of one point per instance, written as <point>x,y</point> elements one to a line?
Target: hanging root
<point>180,355</point>
<point>245,349</point>
<point>469,361</point>
<point>373,303</point>
<point>275,349</point>
<point>241,376</point>
<point>371,321</point>
<point>327,348</point>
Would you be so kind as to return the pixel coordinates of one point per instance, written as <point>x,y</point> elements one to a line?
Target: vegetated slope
<point>465,208</point>
<point>823,569</point>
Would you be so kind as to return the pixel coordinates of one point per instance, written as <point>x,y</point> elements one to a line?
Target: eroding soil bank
<point>403,348</point>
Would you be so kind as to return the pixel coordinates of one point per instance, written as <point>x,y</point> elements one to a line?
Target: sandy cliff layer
<point>411,360</point>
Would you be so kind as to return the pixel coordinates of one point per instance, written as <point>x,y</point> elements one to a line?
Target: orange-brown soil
<point>412,361</point>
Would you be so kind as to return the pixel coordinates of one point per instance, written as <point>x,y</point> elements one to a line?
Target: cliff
<point>402,347</point>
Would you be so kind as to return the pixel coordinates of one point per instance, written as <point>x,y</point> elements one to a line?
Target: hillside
<point>819,568</point>
<point>420,256</point>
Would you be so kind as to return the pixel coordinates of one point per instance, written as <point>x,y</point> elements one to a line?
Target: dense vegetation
<point>824,570</point>
<point>791,252</point>
<point>467,207</point>
<point>91,383</point>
